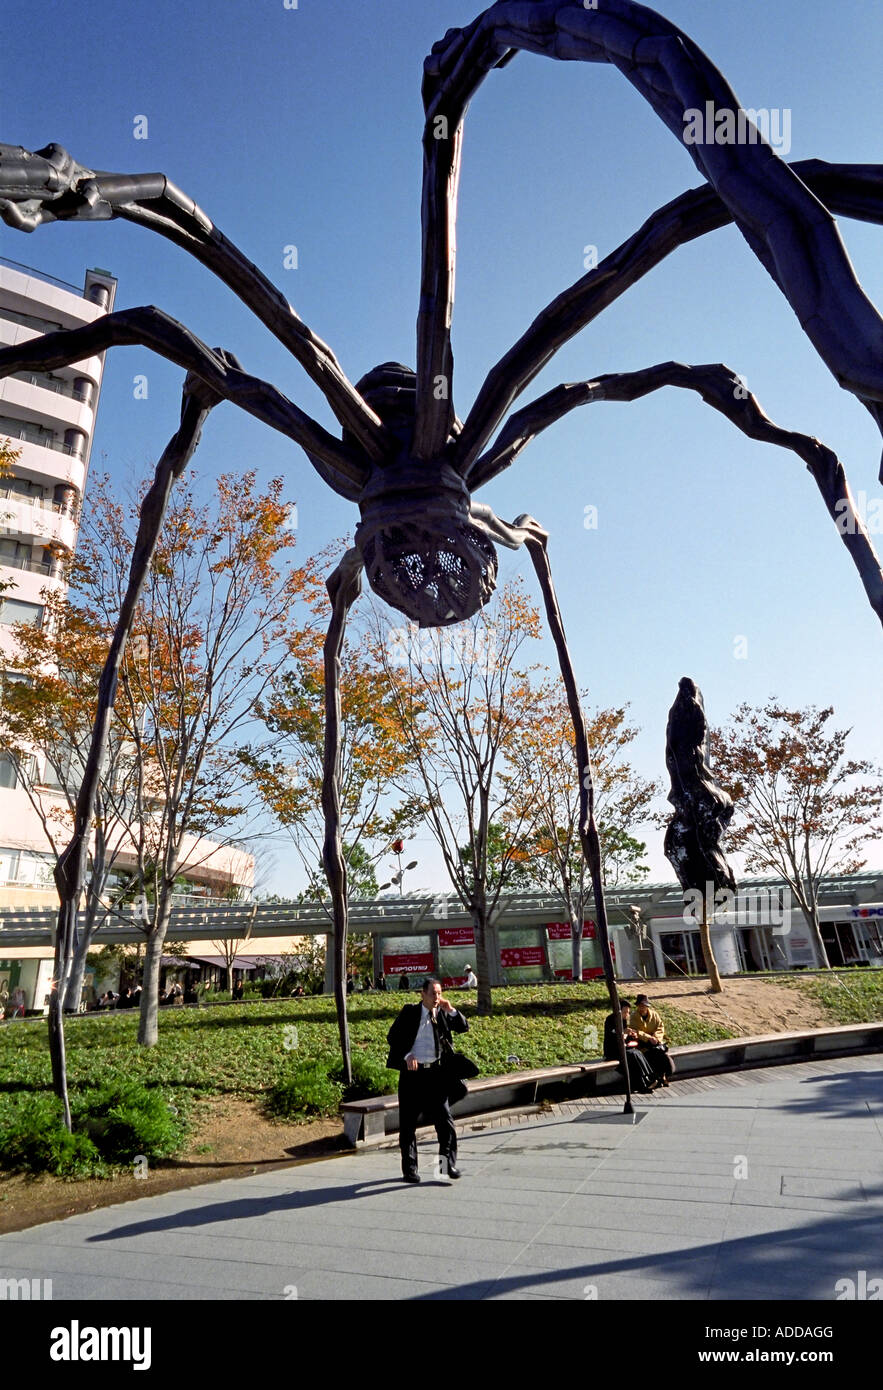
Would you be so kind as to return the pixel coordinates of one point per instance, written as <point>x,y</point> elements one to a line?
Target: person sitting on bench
<point>641,1073</point>
<point>650,1030</point>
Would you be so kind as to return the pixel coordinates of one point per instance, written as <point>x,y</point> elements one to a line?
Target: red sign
<point>456,936</point>
<point>418,964</point>
<point>522,955</point>
<point>560,931</point>
<point>590,972</point>
<point>453,981</point>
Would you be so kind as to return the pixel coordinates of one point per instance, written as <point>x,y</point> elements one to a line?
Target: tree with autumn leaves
<point>373,756</point>
<point>288,771</point>
<point>460,697</point>
<point>208,639</point>
<point>803,808</point>
<point>545,748</point>
<point>49,694</point>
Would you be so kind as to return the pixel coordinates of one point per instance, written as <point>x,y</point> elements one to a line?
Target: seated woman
<point>640,1072</point>
<point>650,1031</point>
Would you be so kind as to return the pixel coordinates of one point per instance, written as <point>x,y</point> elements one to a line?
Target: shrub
<point>309,1091</point>
<point>370,1078</point>
<point>111,1126</point>
<point>128,1119</point>
<point>33,1139</point>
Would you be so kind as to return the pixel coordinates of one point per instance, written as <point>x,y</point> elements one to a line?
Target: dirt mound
<point>746,1006</point>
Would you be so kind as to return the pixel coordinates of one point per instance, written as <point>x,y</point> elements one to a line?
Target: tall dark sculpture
<point>702,810</point>
<point>403,455</point>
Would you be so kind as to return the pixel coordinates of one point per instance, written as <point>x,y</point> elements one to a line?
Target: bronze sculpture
<point>702,811</point>
<point>426,546</point>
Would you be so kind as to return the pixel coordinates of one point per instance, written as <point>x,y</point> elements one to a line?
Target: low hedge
<point>112,1126</point>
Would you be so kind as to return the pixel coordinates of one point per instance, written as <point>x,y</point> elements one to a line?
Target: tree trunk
<point>576,946</point>
<point>484,946</point>
<point>708,953</point>
<point>812,920</point>
<point>148,1023</point>
<point>57,1053</point>
<point>78,968</point>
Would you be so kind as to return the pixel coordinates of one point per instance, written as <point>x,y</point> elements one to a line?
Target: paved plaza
<point>766,1184</point>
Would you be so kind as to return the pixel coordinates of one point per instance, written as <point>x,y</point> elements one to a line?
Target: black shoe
<point>453,1170</point>
<point>410,1177</point>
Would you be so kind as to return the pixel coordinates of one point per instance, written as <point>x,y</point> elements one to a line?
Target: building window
<point>15,610</point>
<point>8,772</point>
<point>8,865</point>
<point>26,430</point>
<point>30,321</point>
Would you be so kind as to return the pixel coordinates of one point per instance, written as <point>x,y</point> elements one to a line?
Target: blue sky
<point>302,126</point>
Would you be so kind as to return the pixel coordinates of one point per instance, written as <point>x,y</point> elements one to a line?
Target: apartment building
<point>49,419</point>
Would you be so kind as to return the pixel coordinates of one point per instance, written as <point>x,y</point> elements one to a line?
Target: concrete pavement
<point>765,1184</point>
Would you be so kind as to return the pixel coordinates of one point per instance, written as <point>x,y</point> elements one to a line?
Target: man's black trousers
<point>661,1063</point>
<point>424,1092</point>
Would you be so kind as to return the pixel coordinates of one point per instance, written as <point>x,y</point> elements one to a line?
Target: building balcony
<point>13,332</point>
<point>39,524</point>
<point>35,404</point>
<point>30,293</point>
<point>52,466</point>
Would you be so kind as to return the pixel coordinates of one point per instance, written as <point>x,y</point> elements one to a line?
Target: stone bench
<point>367,1121</point>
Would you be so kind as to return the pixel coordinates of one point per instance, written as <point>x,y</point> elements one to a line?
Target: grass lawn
<point>246,1049</point>
<point>849,996</point>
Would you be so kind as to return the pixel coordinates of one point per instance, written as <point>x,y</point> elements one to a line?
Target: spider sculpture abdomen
<point>422,551</point>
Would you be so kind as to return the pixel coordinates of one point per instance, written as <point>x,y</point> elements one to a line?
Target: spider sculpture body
<point>412,467</point>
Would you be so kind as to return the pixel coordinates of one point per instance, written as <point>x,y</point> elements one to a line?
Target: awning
<point>238,963</point>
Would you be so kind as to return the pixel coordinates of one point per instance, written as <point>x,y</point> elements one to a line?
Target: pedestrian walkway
<point>764,1184</point>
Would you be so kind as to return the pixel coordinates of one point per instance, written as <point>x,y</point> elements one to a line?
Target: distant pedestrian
<point>471,981</point>
<point>403,981</point>
<point>381,983</point>
<point>237,991</point>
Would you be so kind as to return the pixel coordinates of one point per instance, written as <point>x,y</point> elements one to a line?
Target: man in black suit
<point>416,1042</point>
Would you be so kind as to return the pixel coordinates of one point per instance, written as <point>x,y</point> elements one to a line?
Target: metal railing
<point>30,321</point>
<point>33,499</point>
<point>13,562</point>
<point>54,384</point>
<point>47,441</point>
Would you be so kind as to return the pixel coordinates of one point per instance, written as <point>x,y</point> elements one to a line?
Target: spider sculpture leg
<point>528,532</point>
<point>70,871</point>
<point>536,539</point>
<point>219,370</point>
<point>344,586</point>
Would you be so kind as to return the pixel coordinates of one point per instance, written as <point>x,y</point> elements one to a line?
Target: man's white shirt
<point>424,1049</point>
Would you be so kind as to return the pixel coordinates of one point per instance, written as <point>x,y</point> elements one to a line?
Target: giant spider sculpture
<point>403,456</point>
